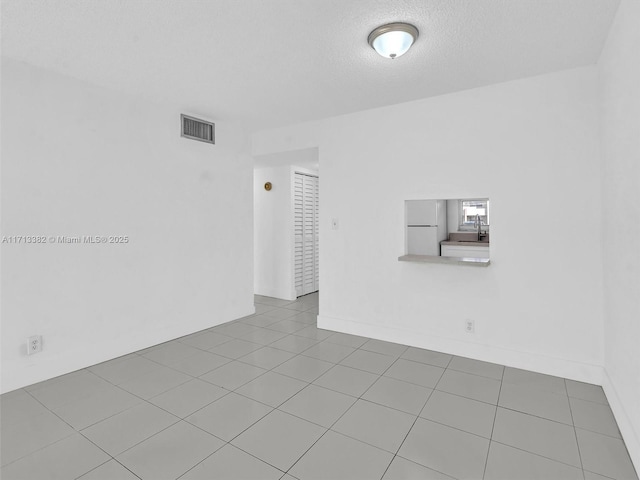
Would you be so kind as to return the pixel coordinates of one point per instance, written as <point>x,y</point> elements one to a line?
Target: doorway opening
<point>287,224</point>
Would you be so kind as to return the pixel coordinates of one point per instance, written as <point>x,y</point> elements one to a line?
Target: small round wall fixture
<point>268,186</point>
<point>394,39</point>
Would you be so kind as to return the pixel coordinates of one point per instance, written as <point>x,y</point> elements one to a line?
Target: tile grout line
<point>343,414</point>
<point>125,467</point>
<point>575,433</point>
<point>511,409</point>
<point>61,439</point>
<point>204,459</point>
<point>598,433</point>
<point>417,416</point>
<point>307,450</point>
<point>87,396</point>
<point>452,427</point>
<point>287,413</point>
<point>493,426</point>
<point>232,446</point>
<point>178,420</point>
<point>537,455</point>
<point>94,468</point>
<point>414,423</point>
<point>102,464</point>
<point>111,457</point>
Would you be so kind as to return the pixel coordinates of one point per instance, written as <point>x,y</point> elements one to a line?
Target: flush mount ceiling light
<point>393,40</point>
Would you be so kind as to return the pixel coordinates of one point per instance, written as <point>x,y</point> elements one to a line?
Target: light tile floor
<point>271,396</point>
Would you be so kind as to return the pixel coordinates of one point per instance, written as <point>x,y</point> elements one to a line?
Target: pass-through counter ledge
<point>475,262</point>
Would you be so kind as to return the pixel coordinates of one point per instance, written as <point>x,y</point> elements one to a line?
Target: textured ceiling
<point>276,62</point>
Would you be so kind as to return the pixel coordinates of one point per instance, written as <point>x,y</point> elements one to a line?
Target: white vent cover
<point>197,129</point>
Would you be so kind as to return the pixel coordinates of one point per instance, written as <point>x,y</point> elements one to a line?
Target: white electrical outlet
<point>34,344</point>
<point>334,223</point>
<point>470,326</point>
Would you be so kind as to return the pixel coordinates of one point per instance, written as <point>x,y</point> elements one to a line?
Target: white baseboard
<point>29,370</point>
<point>270,292</point>
<point>560,367</point>
<point>628,430</point>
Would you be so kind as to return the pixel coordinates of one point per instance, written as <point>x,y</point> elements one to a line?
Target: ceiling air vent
<point>197,129</point>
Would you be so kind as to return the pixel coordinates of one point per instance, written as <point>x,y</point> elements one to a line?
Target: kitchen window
<point>471,211</point>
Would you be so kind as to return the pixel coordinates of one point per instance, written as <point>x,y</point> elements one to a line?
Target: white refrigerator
<point>426,226</point>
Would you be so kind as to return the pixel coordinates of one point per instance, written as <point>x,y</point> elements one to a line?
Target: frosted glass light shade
<point>393,40</point>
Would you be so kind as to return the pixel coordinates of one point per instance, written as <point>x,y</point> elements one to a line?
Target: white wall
<point>453,216</point>
<point>619,70</point>
<point>81,160</point>
<point>539,305</point>
<point>274,274</point>
<point>273,233</point>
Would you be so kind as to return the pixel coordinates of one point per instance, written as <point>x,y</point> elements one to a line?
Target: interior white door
<point>306,226</point>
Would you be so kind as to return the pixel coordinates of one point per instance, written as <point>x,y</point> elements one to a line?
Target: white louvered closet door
<point>306,210</point>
